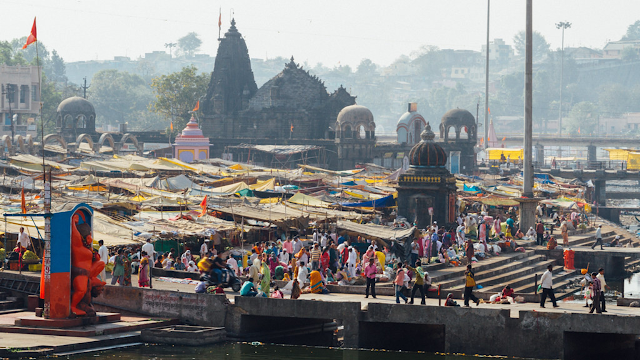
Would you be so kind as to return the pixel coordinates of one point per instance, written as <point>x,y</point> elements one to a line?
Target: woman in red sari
<point>143,275</point>
<point>324,260</point>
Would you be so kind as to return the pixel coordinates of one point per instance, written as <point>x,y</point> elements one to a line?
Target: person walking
<point>598,238</point>
<point>470,282</point>
<point>603,285</point>
<point>103,252</point>
<point>370,273</point>
<point>546,282</point>
<point>315,257</point>
<point>539,233</point>
<point>415,249</point>
<point>399,283</point>
<point>419,284</point>
<point>595,290</point>
<point>118,270</point>
<point>564,229</point>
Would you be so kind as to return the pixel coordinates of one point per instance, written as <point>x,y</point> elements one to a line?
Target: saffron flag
<point>578,130</point>
<point>291,127</point>
<point>197,106</point>
<point>23,202</point>
<point>171,127</point>
<point>489,110</point>
<point>203,206</point>
<point>504,138</point>
<point>220,19</point>
<point>33,36</point>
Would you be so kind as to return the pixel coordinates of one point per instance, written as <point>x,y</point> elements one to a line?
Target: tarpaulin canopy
<point>373,231</point>
<point>377,203</point>
<point>302,199</point>
<point>512,153</point>
<point>472,188</point>
<point>498,202</point>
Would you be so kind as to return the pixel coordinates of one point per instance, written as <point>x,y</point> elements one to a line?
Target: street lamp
<point>561,25</point>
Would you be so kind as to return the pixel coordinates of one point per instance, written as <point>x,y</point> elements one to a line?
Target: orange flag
<point>203,205</point>
<point>197,106</point>
<point>578,130</point>
<point>33,36</point>
<point>171,127</point>
<point>23,202</point>
<point>504,138</point>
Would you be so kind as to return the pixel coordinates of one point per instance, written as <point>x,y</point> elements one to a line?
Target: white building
<point>410,125</point>
<point>20,91</point>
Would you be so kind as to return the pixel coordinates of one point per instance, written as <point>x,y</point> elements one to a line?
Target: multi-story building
<point>499,52</point>
<point>20,100</point>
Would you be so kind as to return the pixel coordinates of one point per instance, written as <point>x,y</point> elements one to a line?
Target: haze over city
<point>333,33</point>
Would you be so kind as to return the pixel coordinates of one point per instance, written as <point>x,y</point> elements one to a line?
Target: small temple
<point>191,144</point>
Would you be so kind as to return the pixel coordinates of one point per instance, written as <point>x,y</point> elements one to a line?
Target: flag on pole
<point>171,126</point>
<point>489,110</point>
<point>33,36</point>
<point>220,19</point>
<point>578,130</point>
<point>291,127</point>
<point>197,106</point>
<point>504,138</point>
<point>203,206</point>
<point>23,202</point>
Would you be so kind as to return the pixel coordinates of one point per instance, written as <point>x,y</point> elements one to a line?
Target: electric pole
<point>486,85</point>
<point>84,88</point>
<point>561,25</point>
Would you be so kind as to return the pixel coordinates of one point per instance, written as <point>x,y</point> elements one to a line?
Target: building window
<point>24,92</point>
<point>34,93</point>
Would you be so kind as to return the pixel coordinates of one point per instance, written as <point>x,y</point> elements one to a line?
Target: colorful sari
<point>265,284</point>
<point>127,271</point>
<point>143,276</point>
<point>315,282</point>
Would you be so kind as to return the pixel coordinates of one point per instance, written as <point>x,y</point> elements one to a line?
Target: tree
<point>629,54</point>
<point>366,68</point>
<point>9,57</point>
<point>58,68</point>
<point>189,43</point>
<point>614,99</point>
<point>633,32</point>
<point>30,52</point>
<point>540,46</point>
<point>120,97</point>
<point>583,118</point>
<point>177,94</point>
<point>430,62</point>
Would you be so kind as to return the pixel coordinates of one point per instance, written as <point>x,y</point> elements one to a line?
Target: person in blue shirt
<point>248,289</point>
<point>341,239</point>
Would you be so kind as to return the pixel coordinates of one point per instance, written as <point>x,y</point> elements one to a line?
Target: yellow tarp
<point>633,163</point>
<point>138,198</point>
<point>269,200</point>
<point>618,154</point>
<point>263,185</point>
<point>231,189</point>
<point>87,187</point>
<point>302,199</point>
<point>494,153</point>
<point>632,157</point>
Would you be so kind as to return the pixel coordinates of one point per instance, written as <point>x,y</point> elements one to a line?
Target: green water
<point>242,351</point>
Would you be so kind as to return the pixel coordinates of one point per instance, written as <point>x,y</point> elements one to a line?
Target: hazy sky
<point>328,31</point>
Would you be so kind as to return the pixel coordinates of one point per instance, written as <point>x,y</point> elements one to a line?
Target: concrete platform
<point>40,322</point>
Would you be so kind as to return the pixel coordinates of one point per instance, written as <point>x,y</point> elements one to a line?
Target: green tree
<point>584,118</point>
<point>366,68</point>
<point>429,62</point>
<point>30,52</point>
<point>614,99</point>
<point>176,94</point>
<point>120,97</point>
<point>58,68</point>
<point>189,43</point>
<point>629,54</point>
<point>9,57</point>
<point>51,98</point>
<point>540,46</point>
<point>633,32</point>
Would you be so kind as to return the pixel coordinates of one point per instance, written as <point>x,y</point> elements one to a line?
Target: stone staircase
<point>10,304</point>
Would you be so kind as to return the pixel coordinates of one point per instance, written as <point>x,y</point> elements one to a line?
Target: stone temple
<point>292,105</point>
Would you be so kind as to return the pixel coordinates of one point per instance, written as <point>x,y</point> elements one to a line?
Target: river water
<point>245,351</point>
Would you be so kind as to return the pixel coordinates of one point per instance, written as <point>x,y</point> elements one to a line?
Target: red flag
<point>197,106</point>
<point>23,202</point>
<point>220,20</point>
<point>33,36</point>
<point>203,206</point>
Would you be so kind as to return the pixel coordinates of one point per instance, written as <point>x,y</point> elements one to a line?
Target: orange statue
<point>85,267</point>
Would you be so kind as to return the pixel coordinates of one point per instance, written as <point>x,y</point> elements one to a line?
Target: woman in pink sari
<point>143,275</point>
<point>482,231</point>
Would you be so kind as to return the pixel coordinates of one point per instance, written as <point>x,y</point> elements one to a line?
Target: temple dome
<point>427,153</point>
<point>355,114</point>
<point>76,104</point>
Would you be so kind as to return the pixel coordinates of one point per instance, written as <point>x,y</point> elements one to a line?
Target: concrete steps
<point>560,278</point>
<point>502,273</point>
<point>522,277</point>
<point>449,273</point>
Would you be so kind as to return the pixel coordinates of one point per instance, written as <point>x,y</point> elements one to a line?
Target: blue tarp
<point>349,183</point>
<point>473,189</point>
<point>377,203</point>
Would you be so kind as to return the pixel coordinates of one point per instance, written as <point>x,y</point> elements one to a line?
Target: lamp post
<point>561,25</point>
<point>486,84</point>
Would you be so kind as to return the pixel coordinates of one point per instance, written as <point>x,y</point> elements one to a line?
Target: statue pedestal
<point>39,322</point>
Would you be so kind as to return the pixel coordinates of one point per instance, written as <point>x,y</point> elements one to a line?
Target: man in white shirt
<point>352,261</point>
<point>323,241</point>
<point>546,282</point>
<point>24,241</point>
<point>598,238</point>
<point>104,256</point>
<point>303,274</point>
<point>148,248</point>
<point>297,245</point>
<point>204,248</point>
<point>603,284</point>
<point>315,236</point>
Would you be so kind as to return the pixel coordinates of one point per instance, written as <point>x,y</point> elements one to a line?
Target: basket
<point>35,267</point>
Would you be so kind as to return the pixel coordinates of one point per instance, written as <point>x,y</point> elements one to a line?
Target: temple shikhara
<point>191,145</point>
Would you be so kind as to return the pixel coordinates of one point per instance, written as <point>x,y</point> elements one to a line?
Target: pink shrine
<point>191,145</point>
